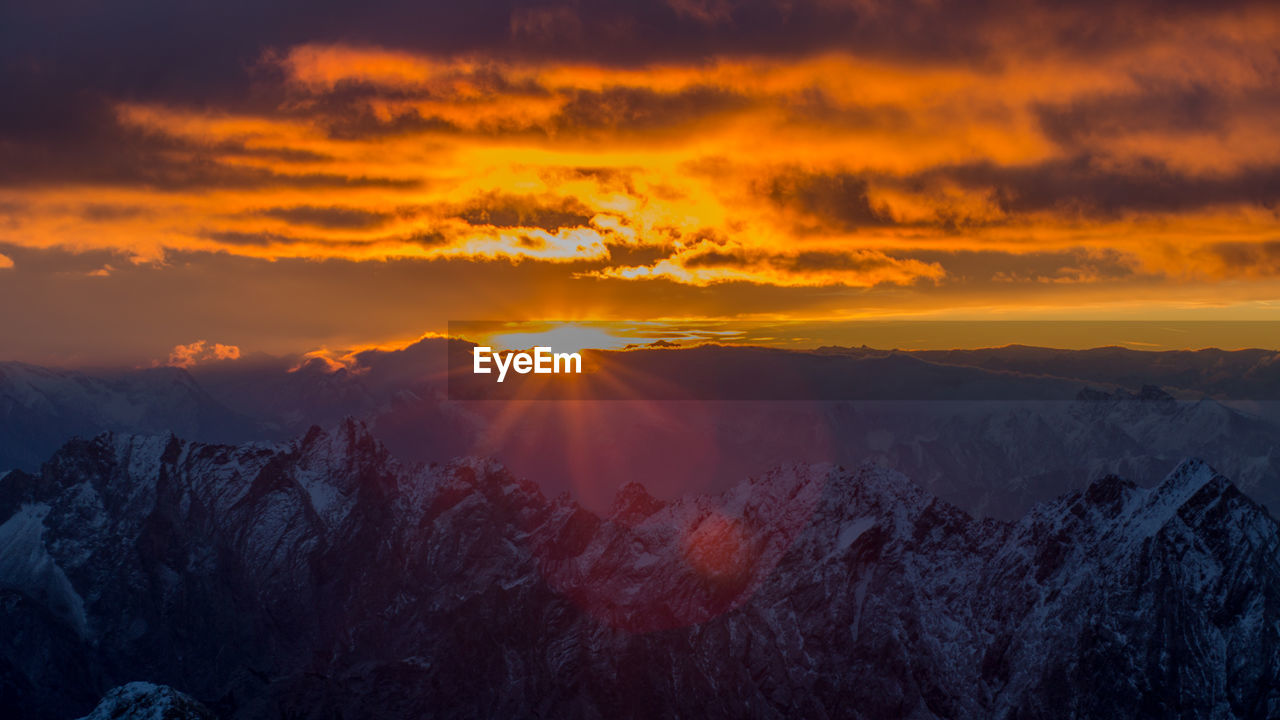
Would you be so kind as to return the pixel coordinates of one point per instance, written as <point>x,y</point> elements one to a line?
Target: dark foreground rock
<point>322,579</point>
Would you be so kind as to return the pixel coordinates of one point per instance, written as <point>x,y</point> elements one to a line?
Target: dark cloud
<point>11,211</point>
<point>546,26</point>
<point>345,110</point>
<point>59,261</point>
<point>1083,185</point>
<point>977,268</point>
<point>64,64</point>
<point>609,179</point>
<point>200,52</point>
<point>362,123</point>
<point>256,239</point>
<point>424,238</point>
<point>289,155</point>
<point>805,262</point>
<point>334,217</point>
<point>1249,258</point>
<point>507,210</point>
<point>427,238</point>
<point>819,261</point>
<point>836,200</point>
<point>97,212</point>
<point>635,109</point>
<point>1195,108</point>
<point>813,106</point>
<point>709,12</point>
<point>111,153</point>
<point>1097,186</point>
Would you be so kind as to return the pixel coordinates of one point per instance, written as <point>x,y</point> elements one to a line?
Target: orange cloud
<point>709,264</point>
<point>830,169</point>
<point>200,352</point>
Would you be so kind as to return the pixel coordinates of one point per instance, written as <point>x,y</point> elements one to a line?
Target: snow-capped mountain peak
<point>328,578</point>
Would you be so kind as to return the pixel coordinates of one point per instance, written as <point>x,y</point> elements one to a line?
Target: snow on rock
<point>147,701</point>
<point>320,578</point>
<point>26,566</point>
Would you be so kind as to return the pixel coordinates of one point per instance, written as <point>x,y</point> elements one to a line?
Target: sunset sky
<point>327,176</point>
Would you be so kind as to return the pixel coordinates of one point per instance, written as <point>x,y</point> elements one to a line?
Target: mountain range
<point>997,431</point>
<point>320,577</point>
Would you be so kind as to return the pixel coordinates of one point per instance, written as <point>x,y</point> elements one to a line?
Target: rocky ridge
<point>321,576</point>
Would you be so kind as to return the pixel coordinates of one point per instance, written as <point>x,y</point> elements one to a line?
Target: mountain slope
<point>145,701</point>
<point>321,577</point>
<point>40,408</point>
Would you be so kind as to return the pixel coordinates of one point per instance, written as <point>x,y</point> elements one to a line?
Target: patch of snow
<point>26,566</point>
<point>850,532</point>
<point>147,701</point>
<point>324,497</point>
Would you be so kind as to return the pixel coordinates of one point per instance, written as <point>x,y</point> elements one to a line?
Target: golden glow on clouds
<point>201,351</point>
<point>561,337</point>
<point>833,170</point>
<point>864,268</point>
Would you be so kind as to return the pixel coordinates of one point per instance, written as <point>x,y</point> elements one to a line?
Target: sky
<point>190,181</point>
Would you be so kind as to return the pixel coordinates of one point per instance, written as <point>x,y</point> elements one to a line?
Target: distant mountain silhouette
<point>991,431</point>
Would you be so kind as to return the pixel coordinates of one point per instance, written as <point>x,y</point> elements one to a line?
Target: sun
<point>561,337</point>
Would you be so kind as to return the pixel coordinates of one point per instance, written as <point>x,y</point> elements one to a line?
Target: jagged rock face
<point>1159,595</point>
<point>147,701</point>
<point>1000,459</point>
<point>989,458</point>
<point>320,578</point>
